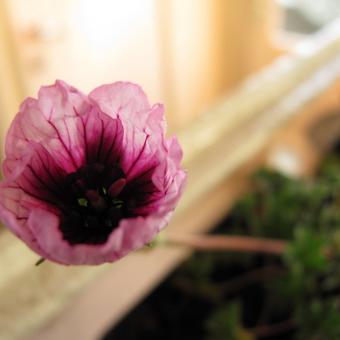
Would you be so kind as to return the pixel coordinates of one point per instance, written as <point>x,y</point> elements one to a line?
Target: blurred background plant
<point>219,296</point>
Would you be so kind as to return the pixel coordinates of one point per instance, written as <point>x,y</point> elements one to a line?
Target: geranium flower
<point>87,179</point>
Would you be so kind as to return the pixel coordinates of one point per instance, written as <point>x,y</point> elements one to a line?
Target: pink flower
<point>87,179</point>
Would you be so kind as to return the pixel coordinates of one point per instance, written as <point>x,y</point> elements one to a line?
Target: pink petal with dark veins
<point>130,235</point>
<point>89,178</point>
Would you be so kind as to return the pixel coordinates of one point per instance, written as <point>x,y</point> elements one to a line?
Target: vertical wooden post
<point>11,86</point>
<point>209,47</point>
<point>247,33</point>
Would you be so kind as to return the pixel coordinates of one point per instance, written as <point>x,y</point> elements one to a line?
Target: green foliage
<point>244,296</point>
<point>224,323</point>
<point>318,320</point>
<point>306,260</point>
<point>307,214</point>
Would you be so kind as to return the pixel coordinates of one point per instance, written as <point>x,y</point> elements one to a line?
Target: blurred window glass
<point>306,16</point>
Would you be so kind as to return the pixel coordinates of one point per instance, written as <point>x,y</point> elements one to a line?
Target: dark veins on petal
<point>93,199</point>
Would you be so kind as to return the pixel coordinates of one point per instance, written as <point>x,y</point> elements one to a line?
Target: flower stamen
<point>97,201</point>
<point>83,202</point>
<point>117,187</point>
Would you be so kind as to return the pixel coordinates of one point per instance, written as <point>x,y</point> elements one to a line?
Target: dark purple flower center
<point>97,196</point>
<point>94,204</point>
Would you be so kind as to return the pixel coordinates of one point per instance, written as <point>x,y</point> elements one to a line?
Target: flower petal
<point>48,120</point>
<point>128,101</point>
<point>101,137</point>
<point>70,129</point>
<point>130,235</point>
<point>14,214</point>
<point>41,178</point>
<point>125,99</point>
